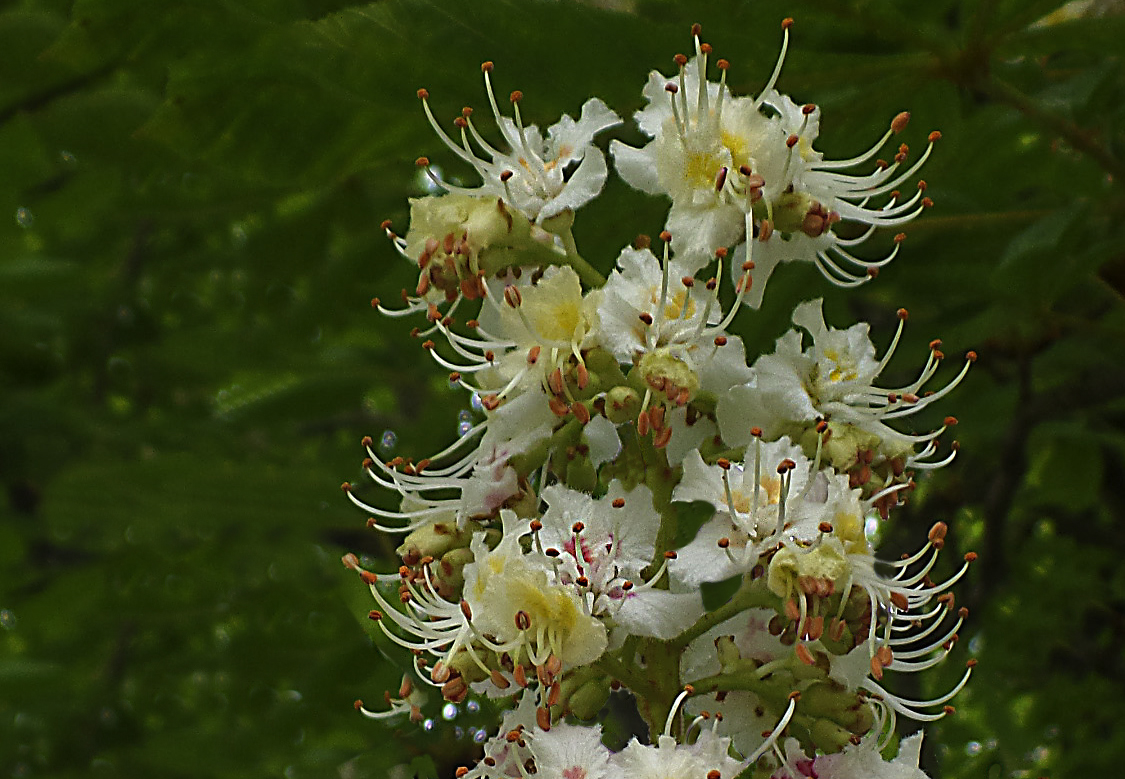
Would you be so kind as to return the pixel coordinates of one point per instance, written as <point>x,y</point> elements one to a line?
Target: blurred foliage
<point>191,196</point>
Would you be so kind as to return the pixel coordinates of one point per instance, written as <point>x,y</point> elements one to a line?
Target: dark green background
<point>188,358</point>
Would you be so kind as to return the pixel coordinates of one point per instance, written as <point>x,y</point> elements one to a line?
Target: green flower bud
<point>622,404</point>
<point>589,698</point>
<point>827,735</point>
<point>661,371</point>
<point>436,539</point>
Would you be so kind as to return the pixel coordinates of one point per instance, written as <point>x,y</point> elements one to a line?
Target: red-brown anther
<point>520,675</point>
<point>910,397</point>
<point>455,689</point>
<point>516,96</point>
<point>551,552</point>
<point>876,667</point>
<point>671,88</point>
<point>577,528</point>
<point>656,417</point>
<point>724,542</point>
<point>472,324</point>
<point>428,345</point>
<point>892,397</point>
<point>899,238</point>
<point>714,774</point>
<point>886,657</point>
<point>756,432</point>
<point>825,527</point>
<point>346,486</point>
<point>533,355</point>
<point>927,203</point>
<point>786,23</point>
<point>895,194</point>
<point>791,141</point>
<point>971,356</point>
<point>804,655</point>
<point>490,402</point>
<point>682,397</point>
<point>938,355</point>
<point>465,610</point>
<point>881,164</point>
<point>748,265</point>
<point>558,407</point>
<point>368,577</point>
<point>720,340</point>
<point>722,65</point>
<point>746,170</point>
<point>581,413</point>
<point>375,302</point>
<point>670,555</point>
<point>786,465</point>
<point>665,236</point>
<point>815,628</point>
<point>970,557</point>
<point>720,179</point>
<point>642,424</point>
<point>765,230</point>
<point>898,124</point>
<point>662,438</point>
<point>680,60</point>
<point>626,585</point>
<point>377,615</point>
<point>792,610</point>
<point>934,137</point>
<point>439,673</point>
<point>696,29</point>
<point>947,598</point>
<point>554,665</point>
<point>972,663</point>
<point>554,694</point>
<point>872,272</point>
<point>422,162</point>
<point>543,718</point>
<point>582,581</point>
<point>486,66</point>
<point>506,175</point>
<point>423,94</point>
<point>836,629</point>
<point>949,709</point>
<point>461,772</point>
<point>901,157</point>
<point>705,48</point>
<point>963,613</point>
<point>899,600</point>
<point>460,122</point>
<point>555,381</point>
<point>583,376</point>
<point>723,463</point>
<point>426,560</point>
<point>542,676</point>
<point>512,296</point>
<point>645,317</point>
<point>618,503</point>
<point>358,704</point>
<point>512,736</point>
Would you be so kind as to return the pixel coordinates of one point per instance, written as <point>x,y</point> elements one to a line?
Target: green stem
<point>752,594</point>
<point>588,274</point>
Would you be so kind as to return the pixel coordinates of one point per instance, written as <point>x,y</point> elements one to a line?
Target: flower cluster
<point>630,459</point>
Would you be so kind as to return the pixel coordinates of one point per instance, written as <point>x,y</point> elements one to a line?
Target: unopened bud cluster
<point>629,456</point>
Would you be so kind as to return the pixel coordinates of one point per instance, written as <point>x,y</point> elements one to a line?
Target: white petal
<point>582,187</point>
<point>637,167</point>
<point>659,613</point>
<point>601,436</point>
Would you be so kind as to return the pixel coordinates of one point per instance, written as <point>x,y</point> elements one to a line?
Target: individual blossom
<point>600,546</point>
<point>512,612</point>
<point>857,761</point>
<point>528,744</point>
<point>541,177</point>
<point>671,328</point>
<point>826,397</point>
<point>742,170</point>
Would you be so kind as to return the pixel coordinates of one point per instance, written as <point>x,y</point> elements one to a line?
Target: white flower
<point>834,380</point>
<point>740,168</point>
<point>600,547</point>
<point>859,761</point>
<point>751,511</point>
<point>540,177</point>
<point>669,760</point>
<point>560,751</point>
